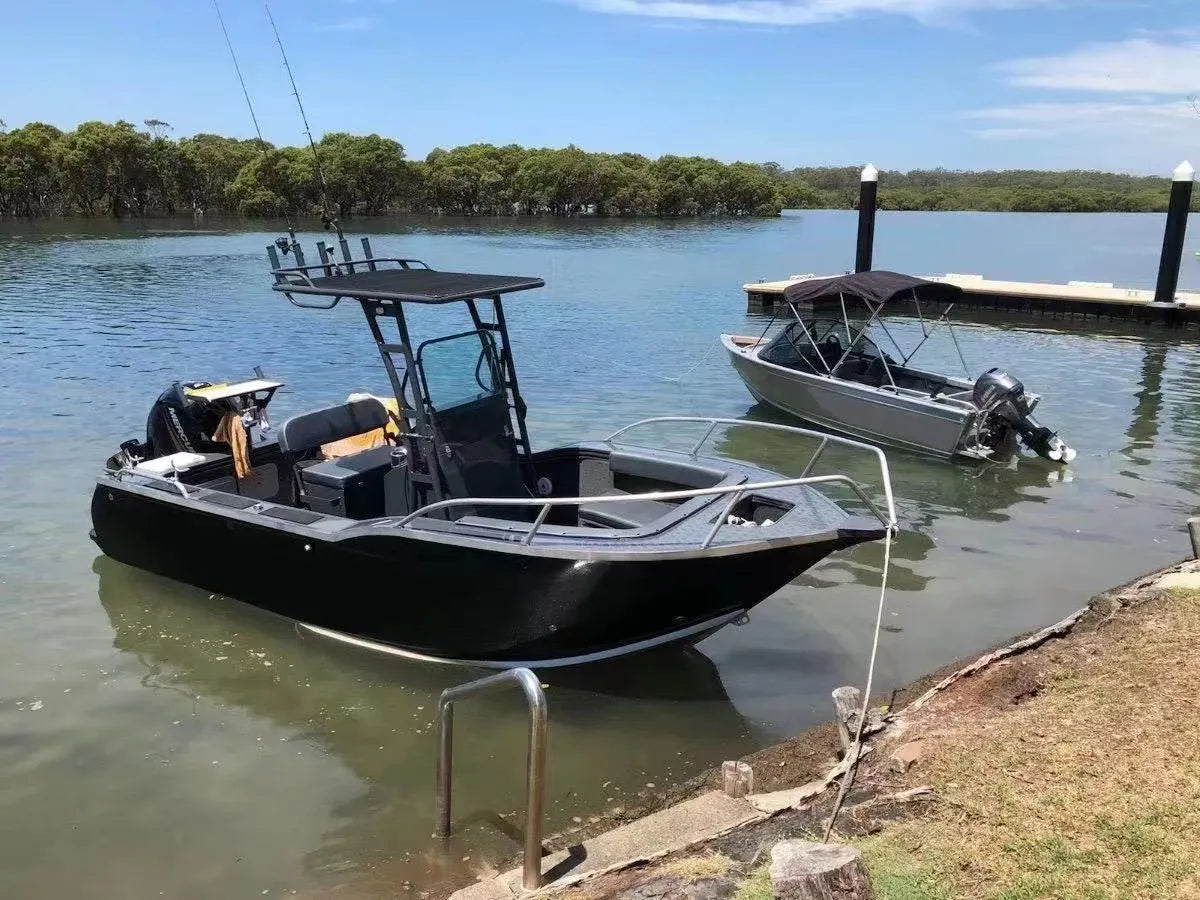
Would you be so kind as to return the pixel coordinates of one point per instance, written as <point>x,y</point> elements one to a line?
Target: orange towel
<point>231,431</point>
<point>368,439</point>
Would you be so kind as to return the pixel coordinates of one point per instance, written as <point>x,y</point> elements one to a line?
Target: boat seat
<point>310,430</point>
<point>335,473</point>
<point>300,435</point>
<point>684,475</point>
<point>624,513</point>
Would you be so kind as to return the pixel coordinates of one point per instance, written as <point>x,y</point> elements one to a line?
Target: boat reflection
<point>615,728</point>
<point>927,490</point>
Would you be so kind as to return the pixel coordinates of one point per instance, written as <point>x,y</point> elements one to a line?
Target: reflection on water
<point>153,738</point>
<point>370,720</point>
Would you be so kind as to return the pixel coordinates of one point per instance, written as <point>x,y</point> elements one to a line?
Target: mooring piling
<point>868,189</point>
<point>1174,232</point>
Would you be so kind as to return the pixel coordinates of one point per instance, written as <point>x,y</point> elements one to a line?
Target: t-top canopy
<point>407,285</point>
<point>876,287</point>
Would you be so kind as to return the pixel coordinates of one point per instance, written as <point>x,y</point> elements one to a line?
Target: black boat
<point>453,540</point>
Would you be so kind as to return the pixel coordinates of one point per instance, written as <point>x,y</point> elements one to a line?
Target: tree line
<point>116,169</point>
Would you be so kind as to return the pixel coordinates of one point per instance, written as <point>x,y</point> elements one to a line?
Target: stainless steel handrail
<point>547,502</point>
<point>535,766</point>
<point>824,438</point>
<point>154,476</point>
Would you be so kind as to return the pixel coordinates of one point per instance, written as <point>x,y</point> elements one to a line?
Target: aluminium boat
<point>827,370</point>
<point>451,539</point>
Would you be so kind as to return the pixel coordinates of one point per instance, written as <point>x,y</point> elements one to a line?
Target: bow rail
<point>737,491</point>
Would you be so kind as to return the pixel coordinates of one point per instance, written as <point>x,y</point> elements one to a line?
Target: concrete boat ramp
<point>672,829</point>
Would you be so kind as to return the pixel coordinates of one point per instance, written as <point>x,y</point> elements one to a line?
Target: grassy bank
<point>1070,770</point>
<point>1087,788</point>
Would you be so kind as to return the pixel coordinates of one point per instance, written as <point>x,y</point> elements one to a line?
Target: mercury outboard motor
<point>1001,397</point>
<point>180,423</point>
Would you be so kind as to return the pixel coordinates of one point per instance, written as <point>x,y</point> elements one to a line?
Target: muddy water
<point>154,739</point>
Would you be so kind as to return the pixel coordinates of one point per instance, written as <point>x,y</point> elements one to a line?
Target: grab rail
<point>737,490</point>
<point>535,767</point>
<point>154,476</point>
<point>825,440</point>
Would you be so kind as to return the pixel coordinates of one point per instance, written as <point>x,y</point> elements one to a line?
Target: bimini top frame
<point>382,285</point>
<point>876,290</point>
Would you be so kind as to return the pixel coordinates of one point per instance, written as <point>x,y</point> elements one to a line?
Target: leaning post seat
<point>351,486</point>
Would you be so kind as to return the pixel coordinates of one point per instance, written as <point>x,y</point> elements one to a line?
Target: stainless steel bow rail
<point>535,767</point>
<point>888,518</point>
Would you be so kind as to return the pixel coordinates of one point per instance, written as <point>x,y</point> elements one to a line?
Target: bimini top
<point>407,284</point>
<point>876,287</point>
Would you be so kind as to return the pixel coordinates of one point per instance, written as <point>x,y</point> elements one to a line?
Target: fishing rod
<point>327,217</point>
<point>289,244</point>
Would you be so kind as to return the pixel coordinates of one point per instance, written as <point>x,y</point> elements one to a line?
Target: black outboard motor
<point>180,423</point>
<point>1000,396</point>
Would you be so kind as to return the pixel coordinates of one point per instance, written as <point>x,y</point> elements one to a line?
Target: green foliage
<point>1012,190</point>
<point>114,169</point>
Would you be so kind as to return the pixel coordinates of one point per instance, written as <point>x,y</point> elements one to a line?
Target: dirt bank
<point>1066,769</point>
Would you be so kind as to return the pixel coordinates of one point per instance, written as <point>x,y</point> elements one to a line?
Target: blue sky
<point>901,83</point>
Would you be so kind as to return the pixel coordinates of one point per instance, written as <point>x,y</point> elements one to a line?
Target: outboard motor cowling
<point>1001,397</point>
<point>180,423</point>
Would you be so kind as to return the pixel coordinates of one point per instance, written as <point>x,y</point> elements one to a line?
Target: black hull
<point>445,600</point>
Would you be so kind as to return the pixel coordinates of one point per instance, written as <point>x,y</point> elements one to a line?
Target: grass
<point>1088,791</point>
<point>698,868</point>
<point>757,886</point>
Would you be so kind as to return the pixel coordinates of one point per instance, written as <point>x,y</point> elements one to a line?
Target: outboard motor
<point>1001,397</point>
<point>179,423</point>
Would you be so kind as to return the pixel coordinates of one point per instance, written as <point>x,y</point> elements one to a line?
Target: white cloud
<point>1110,119</point>
<point>798,12</point>
<point>1137,65</point>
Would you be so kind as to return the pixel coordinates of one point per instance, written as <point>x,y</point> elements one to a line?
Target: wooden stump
<point>848,703</point>
<point>803,870</point>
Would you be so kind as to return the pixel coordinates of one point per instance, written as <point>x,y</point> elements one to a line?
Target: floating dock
<point>1073,300</point>
<point>1076,299</point>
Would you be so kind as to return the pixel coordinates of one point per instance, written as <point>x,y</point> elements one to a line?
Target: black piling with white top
<point>868,187</point>
<point>1174,233</point>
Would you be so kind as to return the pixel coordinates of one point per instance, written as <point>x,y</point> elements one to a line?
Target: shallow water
<point>154,739</point>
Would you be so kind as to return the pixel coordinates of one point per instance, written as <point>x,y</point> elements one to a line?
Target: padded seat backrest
<point>310,430</point>
<point>673,472</point>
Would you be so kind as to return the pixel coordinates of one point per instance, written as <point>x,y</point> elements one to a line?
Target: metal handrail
<point>154,476</point>
<point>535,766</point>
<point>738,489</point>
<point>824,438</point>
<point>297,278</point>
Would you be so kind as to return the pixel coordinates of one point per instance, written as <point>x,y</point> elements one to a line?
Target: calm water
<point>155,740</point>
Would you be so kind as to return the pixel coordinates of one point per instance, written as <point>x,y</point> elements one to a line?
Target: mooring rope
<point>855,750</point>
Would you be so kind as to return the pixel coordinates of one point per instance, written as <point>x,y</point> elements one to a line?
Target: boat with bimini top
<point>827,370</point>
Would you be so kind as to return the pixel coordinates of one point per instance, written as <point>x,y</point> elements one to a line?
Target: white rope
<point>856,747</point>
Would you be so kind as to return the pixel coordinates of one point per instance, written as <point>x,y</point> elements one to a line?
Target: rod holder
<point>535,767</point>
<point>1174,233</point>
<point>868,189</point>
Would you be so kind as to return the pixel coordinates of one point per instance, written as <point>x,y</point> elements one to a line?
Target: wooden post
<point>738,778</point>
<point>868,187</point>
<point>848,703</point>
<point>803,870</point>
<point>1174,233</point>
